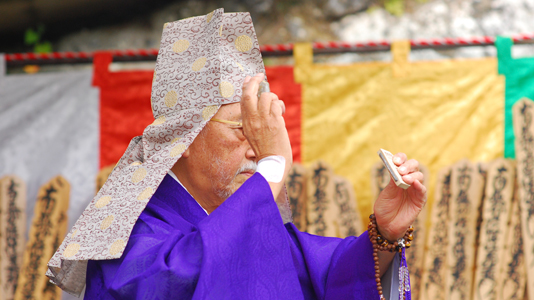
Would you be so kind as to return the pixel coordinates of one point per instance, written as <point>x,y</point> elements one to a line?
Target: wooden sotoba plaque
<point>435,262</point>
<point>467,188</point>
<point>523,114</point>
<point>500,182</point>
<point>48,227</point>
<point>350,221</point>
<point>415,254</point>
<point>12,233</point>
<point>513,270</point>
<point>297,193</point>
<point>322,211</point>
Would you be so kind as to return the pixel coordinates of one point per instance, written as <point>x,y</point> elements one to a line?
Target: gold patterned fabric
<point>437,112</point>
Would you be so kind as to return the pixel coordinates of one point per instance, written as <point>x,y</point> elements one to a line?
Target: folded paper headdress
<point>201,65</point>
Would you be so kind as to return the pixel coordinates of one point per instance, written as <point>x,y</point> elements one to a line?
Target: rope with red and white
<point>267,50</point>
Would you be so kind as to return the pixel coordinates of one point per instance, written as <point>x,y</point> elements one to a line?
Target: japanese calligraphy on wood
<point>523,113</point>
<point>467,188</point>
<point>350,221</point>
<point>513,271</point>
<point>322,211</point>
<point>12,233</point>
<point>49,215</point>
<point>435,262</point>
<point>495,218</point>
<point>297,193</point>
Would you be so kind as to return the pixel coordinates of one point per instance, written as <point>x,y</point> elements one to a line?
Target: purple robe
<point>242,250</point>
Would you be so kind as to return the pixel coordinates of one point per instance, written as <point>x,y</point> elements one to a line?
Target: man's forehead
<point>232,110</point>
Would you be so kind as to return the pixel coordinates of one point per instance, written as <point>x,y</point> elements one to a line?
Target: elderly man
<point>187,213</point>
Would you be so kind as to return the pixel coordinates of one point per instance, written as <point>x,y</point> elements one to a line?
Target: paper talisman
<point>322,211</point>
<point>523,113</point>
<point>496,206</point>
<point>49,216</point>
<point>297,194</point>
<point>435,261</point>
<point>12,233</point>
<point>467,188</point>
<point>350,220</point>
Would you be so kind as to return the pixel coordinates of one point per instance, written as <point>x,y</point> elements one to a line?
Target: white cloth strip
<point>272,168</point>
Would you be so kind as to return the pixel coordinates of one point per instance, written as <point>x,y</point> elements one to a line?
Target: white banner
<point>49,125</point>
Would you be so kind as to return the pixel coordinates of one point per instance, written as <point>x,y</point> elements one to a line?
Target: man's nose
<point>250,155</point>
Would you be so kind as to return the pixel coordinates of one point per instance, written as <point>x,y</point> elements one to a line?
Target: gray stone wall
<point>278,21</point>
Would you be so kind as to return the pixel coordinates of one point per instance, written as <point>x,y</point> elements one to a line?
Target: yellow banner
<point>436,112</point>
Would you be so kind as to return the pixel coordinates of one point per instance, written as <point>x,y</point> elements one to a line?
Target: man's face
<point>220,158</point>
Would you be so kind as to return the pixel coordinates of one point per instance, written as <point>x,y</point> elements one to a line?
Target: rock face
<point>278,21</point>
<point>438,19</point>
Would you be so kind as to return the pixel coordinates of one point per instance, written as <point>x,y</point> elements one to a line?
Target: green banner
<point>519,83</point>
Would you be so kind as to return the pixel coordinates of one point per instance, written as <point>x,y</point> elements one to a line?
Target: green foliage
<point>44,47</point>
<point>394,7</point>
<point>33,38</point>
<point>398,7</point>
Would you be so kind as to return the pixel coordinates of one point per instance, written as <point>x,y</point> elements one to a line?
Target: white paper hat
<point>201,65</point>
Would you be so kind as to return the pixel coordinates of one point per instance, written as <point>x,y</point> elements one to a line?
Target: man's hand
<point>264,127</point>
<point>396,208</point>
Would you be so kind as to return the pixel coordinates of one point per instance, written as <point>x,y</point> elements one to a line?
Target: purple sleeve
<point>240,251</point>
<point>337,268</point>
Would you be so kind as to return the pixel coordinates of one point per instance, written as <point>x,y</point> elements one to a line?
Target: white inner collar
<point>176,178</point>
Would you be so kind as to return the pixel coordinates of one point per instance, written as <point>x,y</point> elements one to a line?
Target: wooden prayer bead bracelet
<point>381,244</point>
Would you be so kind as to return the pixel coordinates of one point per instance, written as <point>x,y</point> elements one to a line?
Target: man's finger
<point>283,106</point>
<point>420,189</point>
<point>412,177</point>
<point>249,99</point>
<point>409,166</point>
<point>264,104</point>
<point>276,108</point>
<point>399,158</point>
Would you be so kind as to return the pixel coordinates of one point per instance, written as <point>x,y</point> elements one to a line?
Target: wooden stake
<point>523,114</point>
<point>467,187</point>
<point>513,277</point>
<point>350,220</point>
<point>12,233</point>
<point>435,263</point>
<point>415,255</point>
<point>495,217</point>
<point>49,215</point>
<point>296,191</point>
<point>322,211</point>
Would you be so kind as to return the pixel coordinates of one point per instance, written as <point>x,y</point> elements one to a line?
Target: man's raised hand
<point>396,208</point>
<point>264,127</point>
